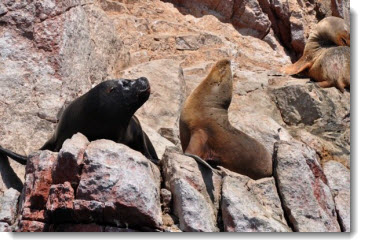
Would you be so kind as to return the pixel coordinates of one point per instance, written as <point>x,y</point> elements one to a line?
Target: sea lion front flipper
<point>138,140</point>
<point>197,143</point>
<point>148,149</point>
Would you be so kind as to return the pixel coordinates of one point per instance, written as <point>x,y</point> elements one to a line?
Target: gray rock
<point>251,208</point>
<point>338,177</point>
<point>166,199</point>
<point>4,227</point>
<point>306,197</point>
<point>263,128</point>
<point>255,102</point>
<point>9,206</point>
<point>323,112</point>
<point>266,193</point>
<point>196,41</point>
<point>195,190</point>
<point>171,134</point>
<point>3,9</point>
<point>70,158</point>
<point>125,180</point>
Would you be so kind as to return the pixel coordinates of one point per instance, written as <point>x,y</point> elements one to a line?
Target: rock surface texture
<point>116,186</point>
<point>54,51</point>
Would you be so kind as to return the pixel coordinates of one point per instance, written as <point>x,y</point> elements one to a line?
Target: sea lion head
<point>219,84</point>
<point>334,29</point>
<point>123,96</point>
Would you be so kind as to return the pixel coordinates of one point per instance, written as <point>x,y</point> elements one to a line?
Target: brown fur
<point>205,130</point>
<point>326,56</point>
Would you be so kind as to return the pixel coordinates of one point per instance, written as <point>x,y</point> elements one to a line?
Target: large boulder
<point>125,180</point>
<point>251,206</point>
<point>104,183</point>
<point>324,113</point>
<point>303,188</point>
<point>195,190</point>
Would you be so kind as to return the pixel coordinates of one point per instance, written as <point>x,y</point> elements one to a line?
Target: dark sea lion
<point>326,56</point>
<point>206,132</point>
<point>104,112</point>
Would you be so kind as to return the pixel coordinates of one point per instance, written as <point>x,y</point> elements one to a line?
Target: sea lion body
<point>326,56</point>
<point>104,112</point>
<point>205,130</point>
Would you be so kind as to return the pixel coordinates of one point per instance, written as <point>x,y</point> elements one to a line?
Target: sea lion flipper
<point>148,149</point>
<point>197,143</point>
<point>137,139</point>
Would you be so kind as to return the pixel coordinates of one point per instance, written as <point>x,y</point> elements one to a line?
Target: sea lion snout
<point>143,88</point>
<point>142,84</point>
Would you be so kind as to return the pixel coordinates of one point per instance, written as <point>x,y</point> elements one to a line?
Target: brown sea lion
<point>326,56</point>
<point>205,130</point>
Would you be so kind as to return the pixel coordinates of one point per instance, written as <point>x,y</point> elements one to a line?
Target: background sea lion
<point>326,56</point>
<point>205,130</point>
<point>104,112</point>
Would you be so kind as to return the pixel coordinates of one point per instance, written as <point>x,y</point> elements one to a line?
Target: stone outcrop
<point>54,51</point>
<point>251,206</point>
<point>195,190</point>
<point>106,184</point>
<point>304,189</point>
<point>338,178</point>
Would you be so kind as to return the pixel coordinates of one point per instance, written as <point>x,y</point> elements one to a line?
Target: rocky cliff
<point>53,51</point>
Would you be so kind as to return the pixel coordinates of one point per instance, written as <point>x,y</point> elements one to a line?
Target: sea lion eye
<point>109,90</point>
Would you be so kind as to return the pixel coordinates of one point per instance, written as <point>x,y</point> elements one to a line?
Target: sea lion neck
<point>212,96</point>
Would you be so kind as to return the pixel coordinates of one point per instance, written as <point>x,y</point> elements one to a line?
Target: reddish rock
<point>70,158</point>
<point>34,215</point>
<point>38,179</point>
<point>32,226</point>
<point>60,203</point>
<point>47,34</point>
